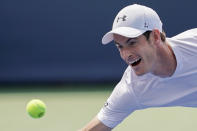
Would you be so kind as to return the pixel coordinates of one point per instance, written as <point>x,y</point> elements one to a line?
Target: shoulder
<point>128,76</point>
<point>187,34</point>
<point>184,46</point>
<point>185,42</point>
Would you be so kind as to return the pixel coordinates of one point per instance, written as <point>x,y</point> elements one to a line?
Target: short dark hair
<point>147,34</point>
<point>162,35</point>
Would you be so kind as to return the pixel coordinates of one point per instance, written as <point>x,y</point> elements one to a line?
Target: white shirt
<point>139,92</point>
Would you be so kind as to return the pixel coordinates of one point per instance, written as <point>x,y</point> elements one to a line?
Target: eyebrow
<point>116,43</point>
<point>126,41</point>
<point>130,39</point>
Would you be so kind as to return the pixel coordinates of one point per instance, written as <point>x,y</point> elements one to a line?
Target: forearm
<point>95,125</point>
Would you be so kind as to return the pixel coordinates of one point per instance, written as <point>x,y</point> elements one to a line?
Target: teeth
<point>131,62</point>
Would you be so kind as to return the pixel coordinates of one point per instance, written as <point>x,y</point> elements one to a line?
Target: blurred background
<point>51,50</point>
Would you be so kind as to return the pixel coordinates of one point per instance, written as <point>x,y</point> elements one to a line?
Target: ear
<point>156,36</point>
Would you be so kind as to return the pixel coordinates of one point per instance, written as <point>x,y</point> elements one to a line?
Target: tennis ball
<point>36,108</point>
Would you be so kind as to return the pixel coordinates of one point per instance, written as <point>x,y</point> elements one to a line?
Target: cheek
<point>148,56</point>
<point>124,55</point>
<point>121,55</point>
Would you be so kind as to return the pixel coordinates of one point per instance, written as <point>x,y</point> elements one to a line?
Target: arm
<point>95,125</point>
<point>119,105</point>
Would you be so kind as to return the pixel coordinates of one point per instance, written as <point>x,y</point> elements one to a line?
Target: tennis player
<point>161,72</point>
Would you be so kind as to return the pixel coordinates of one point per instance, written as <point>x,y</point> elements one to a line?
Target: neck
<point>166,63</point>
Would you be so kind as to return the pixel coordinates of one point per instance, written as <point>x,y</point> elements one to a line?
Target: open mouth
<point>135,62</point>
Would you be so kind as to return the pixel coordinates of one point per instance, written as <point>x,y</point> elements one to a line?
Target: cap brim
<point>123,31</point>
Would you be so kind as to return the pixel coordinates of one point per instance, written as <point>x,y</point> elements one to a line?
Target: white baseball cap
<point>132,21</point>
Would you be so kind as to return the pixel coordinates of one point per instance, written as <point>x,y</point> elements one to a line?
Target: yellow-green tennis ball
<point>36,108</point>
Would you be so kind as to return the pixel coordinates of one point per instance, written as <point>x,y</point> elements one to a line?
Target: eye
<point>119,46</point>
<point>131,42</point>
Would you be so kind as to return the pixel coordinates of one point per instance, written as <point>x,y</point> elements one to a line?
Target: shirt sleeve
<point>119,105</point>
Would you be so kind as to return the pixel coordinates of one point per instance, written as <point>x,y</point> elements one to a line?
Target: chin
<point>139,69</point>
<point>140,74</point>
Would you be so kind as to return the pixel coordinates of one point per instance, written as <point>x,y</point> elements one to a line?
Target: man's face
<point>139,53</point>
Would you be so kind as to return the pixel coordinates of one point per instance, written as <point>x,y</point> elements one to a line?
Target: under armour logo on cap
<point>145,25</point>
<point>123,18</point>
